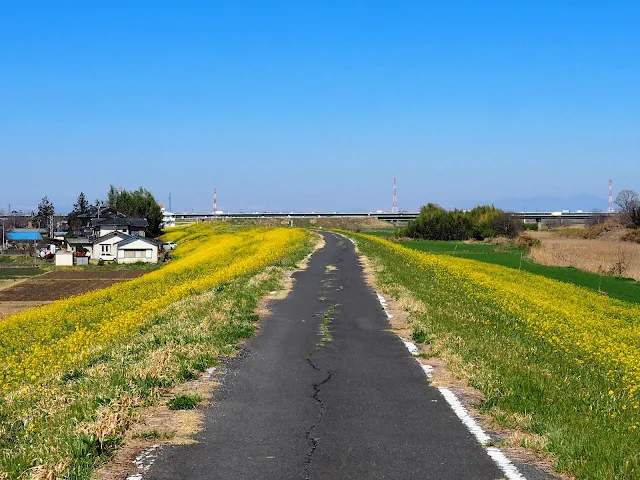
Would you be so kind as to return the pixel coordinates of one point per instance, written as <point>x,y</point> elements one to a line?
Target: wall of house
<point>109,245</point>
<point>138,251</point>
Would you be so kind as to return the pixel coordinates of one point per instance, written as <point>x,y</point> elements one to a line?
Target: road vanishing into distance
<point>325,391</point>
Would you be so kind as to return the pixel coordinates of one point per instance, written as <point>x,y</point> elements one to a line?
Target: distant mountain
<point>583,202</point>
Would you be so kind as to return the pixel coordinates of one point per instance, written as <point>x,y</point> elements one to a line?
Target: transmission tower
<point>610,196</point>
<point>215,202</point>
<point>394,204</point>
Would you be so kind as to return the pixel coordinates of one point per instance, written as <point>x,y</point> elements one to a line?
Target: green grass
<point>325,333</point>
<point>616,287</point>
<point>184,402</point>
<point>8,273</point>
<point>527,383</point>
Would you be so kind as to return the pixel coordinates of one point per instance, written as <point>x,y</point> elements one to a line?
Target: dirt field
<point>608,256</point>
<point>56,285</point>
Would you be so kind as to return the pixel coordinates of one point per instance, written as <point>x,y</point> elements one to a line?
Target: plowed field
<point>57,285</point>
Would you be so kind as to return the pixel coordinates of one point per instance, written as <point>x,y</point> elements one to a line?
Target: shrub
<point>436,223</point>
<point>526,241</point>
<point>632,236</point>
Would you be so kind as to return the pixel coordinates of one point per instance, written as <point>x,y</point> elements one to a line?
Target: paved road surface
<point>357,407</point>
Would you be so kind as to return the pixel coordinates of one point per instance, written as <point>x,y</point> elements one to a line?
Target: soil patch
<point>9,308</point>
<point>95,274</point>
<point>17,295</point>
<point>43,290</point>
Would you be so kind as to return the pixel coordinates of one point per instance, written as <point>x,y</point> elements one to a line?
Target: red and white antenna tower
<point>610,196</point>
<point>215,202</point>
<point>394,204</point>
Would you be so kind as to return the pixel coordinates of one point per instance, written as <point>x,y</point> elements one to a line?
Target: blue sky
<point>318,105</point>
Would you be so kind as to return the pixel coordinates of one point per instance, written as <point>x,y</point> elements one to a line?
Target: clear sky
<point>318,105</point>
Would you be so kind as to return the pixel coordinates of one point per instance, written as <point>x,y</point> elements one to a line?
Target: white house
<point>126,225</point>
<point>80,244</point>
<point>137,249</point>
<point>168,218</point>
<point>107,244</point>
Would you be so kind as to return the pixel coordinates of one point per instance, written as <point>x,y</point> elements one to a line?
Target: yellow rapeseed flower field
<point>38,342</point>
<point>580,322</point>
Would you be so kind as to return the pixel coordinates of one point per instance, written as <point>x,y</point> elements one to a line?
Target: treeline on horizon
<point>484,221</point>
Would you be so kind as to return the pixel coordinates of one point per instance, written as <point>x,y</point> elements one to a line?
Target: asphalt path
<point>325,391</point>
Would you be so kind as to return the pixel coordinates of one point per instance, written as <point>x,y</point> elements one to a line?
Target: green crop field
<point>8,273</point>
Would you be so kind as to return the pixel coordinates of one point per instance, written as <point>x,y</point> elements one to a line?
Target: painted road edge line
<point>500,459</point>
<point>497,455</point>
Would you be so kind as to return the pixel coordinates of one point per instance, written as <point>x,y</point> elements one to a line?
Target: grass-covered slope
<point>563,360</point>
<point>75,372</point>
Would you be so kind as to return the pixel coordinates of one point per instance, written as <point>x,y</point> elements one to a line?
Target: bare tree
<point>597,219</point>
<point>628,201</point>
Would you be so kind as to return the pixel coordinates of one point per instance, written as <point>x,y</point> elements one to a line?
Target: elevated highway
<point>385,216</point>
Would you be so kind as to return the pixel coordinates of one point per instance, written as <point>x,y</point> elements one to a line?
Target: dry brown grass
<point>599,256</point>
<point>358,223</point>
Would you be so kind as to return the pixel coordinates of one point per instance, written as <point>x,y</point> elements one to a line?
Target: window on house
<point>105,248</point>
<point>137,254</point>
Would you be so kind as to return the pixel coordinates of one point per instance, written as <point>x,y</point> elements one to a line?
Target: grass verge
<point>571,392</point>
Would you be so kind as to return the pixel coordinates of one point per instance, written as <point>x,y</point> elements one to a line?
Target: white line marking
<point>505,464</point>
<point>463,415</point>
<point>144,461</point>
<point>427,369</point>
<point>384,304</point>
<point>413,350</point>
<point>508,468</point>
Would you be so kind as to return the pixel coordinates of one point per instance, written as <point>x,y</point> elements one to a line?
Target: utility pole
<point>170,209</point>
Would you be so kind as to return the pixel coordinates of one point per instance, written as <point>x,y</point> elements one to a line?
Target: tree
<point>81,207</point>
<point>45,212</point>
<point>137,203</point>
<point>507,225</point>
<point>629,203</point>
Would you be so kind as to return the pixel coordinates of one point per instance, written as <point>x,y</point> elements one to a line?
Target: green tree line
<point>436,223</point>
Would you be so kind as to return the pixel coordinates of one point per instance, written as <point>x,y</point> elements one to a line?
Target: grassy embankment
<point>556,361</point>
<point>621,288</point>
<point>76,373</point>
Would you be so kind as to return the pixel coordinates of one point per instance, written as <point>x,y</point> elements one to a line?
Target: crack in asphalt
<point>313,442</point>
<point>326,337</point>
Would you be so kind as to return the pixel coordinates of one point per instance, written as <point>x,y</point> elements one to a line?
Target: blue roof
<point>23,236</point>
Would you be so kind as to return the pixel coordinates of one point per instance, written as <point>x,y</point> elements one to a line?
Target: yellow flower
<point>38,342</point>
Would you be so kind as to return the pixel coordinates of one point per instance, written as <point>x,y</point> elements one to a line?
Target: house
<point>107,244</point>
<point>81,244</point>
<point>126,225</point>
<point>168,218</point>
<point>137,249</point>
